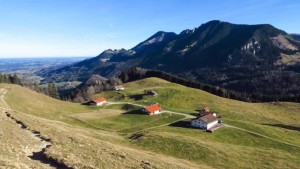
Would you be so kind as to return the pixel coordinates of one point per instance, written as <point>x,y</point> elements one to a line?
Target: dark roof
<point>208,118</point>
<point>204,113</point>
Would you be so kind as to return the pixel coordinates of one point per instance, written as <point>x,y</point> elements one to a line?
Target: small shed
<point>205,111</point>
<point>98,102</point>
<point>117,88</point>
<point>151,92</point>
<point>152,109</point>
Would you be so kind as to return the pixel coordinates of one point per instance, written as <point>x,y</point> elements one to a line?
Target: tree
<point>36,87</point>
<point>52,90</point>
<point>15,80</point>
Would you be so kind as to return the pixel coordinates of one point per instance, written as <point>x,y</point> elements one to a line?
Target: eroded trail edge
<point>46,143</point>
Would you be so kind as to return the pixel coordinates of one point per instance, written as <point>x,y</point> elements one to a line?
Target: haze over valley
<point>146,84</point>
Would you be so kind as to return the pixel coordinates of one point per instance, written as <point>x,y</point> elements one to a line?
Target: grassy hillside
<point>233,147</point>
<point>124,126</point>
<point>179,98</point>
<point>75,144</point>
<point>187,100</point>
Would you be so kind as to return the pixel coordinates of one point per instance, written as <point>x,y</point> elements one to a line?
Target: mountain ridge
<point>218,53</point>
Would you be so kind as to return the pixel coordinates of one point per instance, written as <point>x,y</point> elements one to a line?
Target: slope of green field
<point>279,120</point>
<point>225,148</point>
<point>179,98</point>
<point>75,144</point>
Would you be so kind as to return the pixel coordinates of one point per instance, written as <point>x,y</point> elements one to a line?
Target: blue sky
<point>49,28</point>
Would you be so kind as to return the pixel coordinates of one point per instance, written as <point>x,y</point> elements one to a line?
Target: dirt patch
<point>46,143</point>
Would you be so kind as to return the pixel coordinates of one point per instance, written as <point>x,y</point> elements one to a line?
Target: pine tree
<point>54,91</point>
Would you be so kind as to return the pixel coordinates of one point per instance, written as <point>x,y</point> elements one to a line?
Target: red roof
<point>99,100</point>
<point>152,108</point>
<point>208,118</point>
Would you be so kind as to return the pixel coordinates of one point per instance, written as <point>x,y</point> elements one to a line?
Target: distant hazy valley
<point>221,95</point>
<point>32,65</point>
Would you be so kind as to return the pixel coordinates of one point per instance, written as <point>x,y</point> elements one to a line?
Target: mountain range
<point>256,59</point>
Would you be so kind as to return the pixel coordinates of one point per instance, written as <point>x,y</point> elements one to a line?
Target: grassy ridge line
<point>137,73</point>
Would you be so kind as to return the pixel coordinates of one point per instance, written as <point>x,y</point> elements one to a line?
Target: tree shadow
<point>284,126</point>
<point>137,96</point>
<point>128,107</point>
<point>88,103</point>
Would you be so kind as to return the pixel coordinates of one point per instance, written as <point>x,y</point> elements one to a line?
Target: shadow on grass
<point>136,136</point>
<point>86,103</point>
<point>137,112</point>
<point>181,124</point>
<point>137,96</point>
<point>129,107</point>
<point>284,126</point>
<point>42,157</point>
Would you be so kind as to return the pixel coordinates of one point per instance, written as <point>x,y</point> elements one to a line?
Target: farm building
<point>152,109</point>
<point>98,102</point>
<point>150,92</point>
<point>205,112</point>
<point>205,122</point>
<point>117,88</point>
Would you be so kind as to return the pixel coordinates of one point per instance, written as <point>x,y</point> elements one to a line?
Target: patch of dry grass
<point>288,59</point>
<point>28,101</point>
<point>282,42</point>
<point>100,114</point>
<point>16,145</point>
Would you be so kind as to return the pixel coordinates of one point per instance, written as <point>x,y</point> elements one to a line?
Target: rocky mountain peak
<point>155,39</point>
